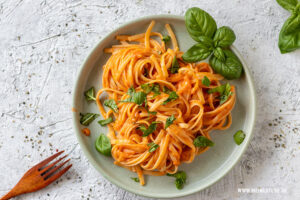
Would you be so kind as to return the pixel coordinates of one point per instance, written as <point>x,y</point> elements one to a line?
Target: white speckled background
<point>42,46</point>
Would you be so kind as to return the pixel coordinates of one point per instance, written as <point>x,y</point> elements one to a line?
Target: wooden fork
<point>39,176</point>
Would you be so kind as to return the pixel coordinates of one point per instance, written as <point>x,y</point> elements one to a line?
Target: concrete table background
<point>44,42</point>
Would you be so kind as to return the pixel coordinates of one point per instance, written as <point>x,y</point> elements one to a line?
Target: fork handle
<point>12,193</point>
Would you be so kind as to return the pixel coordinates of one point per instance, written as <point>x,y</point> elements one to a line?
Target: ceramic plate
<point>207,168</point>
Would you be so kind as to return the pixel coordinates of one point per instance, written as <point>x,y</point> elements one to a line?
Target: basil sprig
<point>103,145</point>
<point>135,97</point>
<point>289,36</point>
<point>86,119</point>
<point>211,42</point>
<point>180,179</point>
<point>172,96</point>
<point>166,38</point>
<point>205,81</point>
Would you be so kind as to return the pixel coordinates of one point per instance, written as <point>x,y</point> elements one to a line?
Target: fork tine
<point>57,175</point>
<point>46,161</point>
<point>48,174</point>
<point>52,164</point>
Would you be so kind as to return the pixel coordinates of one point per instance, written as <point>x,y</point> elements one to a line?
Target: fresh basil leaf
<point>198,52</point>
<point>202,141</point>
<point>170,121</point>
<point>147,131</point>
<point>136,97</point>
<point>135,179</point>
<point>111,104</point>
<point>231,68</point>
<point>223,90</point>
<point>166,90</point>
<point>205,81</point>
<point>103,145</point>
<point>289,37</point>
<point>180,179</point>
<point>219,54</point>
<point>130,91</point>
<point>152,146</point>
<point>166,38</point>
<point>224,37</point>
<point>156,90</point>
<point>147,88</point>
<point>90,94</point>
<point>288,4</point>
<point>199,23</point>
<point>239,137</point>
<point>175,66</point>
<point>104,122</point>
<point>86,119</point>
<point>152,113</point>
<point>172,96</point>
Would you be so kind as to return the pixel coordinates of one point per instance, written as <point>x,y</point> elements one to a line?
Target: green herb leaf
<point>166,38</point>
<point>289,37</point>
<point>135,179</point>
<point>146,88</point>
<point>156,90</point>
<point>111,104</point>
<point>172,96</point>
<point>152,146</point>
<point>86,119</point>
<point>149,130</point>
<point>223,90</point>
<point>152,113</point>
<point>224,37</point>
<point>103,145</point>
<point>170,121</point>
<point>239,137</point>
<point>288,4</point>
<point>135,97</point>
<point>205,81</point>
<point>131,90</point>
<point>231,68</point>
<point>90,94</point>
<point>166,90</point>
<point>175,66</point>
<point>202,141</point>
<point>180,179</point>
<point>197,53</point>
<point>219,54</point>
<point>105,121</point>
<point>199,23</point>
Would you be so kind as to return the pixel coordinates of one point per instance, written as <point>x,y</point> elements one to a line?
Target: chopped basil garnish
<point>223,90</point>
<point>135,97</point>
<point>180,179</point>
<point>152,146</point>
<point>172,96</point>
<point>86,119</point>
<point>105,121</point>
<point>146,88</point>
<point>112,105</point>
<point>166,90</point>
<point>149,130</point>
<point>156,90</point>
<point>175,66</point>
<point>205,81</point>
<point>239,137</point>
<point>135,179</point>
<point>90,94</point>
<point>152,113</point>
<point>103,145</point>
<point>166,38</point>
<point>170,121</point>
<point>202,141</point>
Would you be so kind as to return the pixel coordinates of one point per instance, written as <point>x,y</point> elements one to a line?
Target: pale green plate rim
<point>183,192</point>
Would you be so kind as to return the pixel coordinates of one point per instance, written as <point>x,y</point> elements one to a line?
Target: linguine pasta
<point>142,59</point>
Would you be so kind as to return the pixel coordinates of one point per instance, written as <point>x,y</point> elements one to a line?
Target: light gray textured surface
<point>42,45</point>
